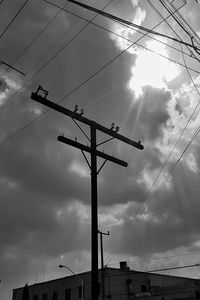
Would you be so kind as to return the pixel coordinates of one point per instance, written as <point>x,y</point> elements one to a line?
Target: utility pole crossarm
<point>70,142</point>
<point>86,121</point>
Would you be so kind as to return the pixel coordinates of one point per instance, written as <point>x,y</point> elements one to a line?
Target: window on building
<point>55,295</point>
<point>80,291</point>
<point>130,286</point>
<point>143,288</point>
<point>99,288</point>
<point>197,295</point>
<point>68,294</point>
<point>45,296</point>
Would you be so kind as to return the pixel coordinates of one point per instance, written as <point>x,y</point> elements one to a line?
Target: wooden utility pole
<point>102,263</point>
<point>94,153</point>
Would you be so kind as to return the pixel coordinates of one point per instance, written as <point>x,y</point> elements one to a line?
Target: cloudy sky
<point>149,86</point>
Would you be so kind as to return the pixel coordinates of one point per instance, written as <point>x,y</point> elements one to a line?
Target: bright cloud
<point>126,32</point>
<point>151,179</point>
<point>79,169</point>
<point>7,85</point>
<point>152,69</point>
<point>184,118</point>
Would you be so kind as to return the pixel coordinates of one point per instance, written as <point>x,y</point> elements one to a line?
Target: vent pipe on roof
<point>123,266</point>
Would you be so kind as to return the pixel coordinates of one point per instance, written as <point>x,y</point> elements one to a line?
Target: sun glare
<point>152,69</point>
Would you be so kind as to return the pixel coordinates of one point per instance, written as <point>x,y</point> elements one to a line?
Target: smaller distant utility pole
<point>102,262</point>
<point>94,153</point>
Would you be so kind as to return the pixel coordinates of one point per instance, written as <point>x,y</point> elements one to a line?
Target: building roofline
<point>108,268</point>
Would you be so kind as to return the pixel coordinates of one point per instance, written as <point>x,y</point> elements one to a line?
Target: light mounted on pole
<point>82,282</point>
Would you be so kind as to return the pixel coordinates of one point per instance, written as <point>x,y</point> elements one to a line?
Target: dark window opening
<point>143,288</point>
<point>80,291</point>
<point>55,295</point>
<point>99,288</point>
<point>45,296</point>
<point>67,294</point>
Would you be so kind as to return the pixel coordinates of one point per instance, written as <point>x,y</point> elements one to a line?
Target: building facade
<point>117,284</point>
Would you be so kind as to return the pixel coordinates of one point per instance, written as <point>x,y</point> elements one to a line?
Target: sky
<point>149,86</point>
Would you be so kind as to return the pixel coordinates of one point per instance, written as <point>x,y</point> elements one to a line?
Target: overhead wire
<point>181,25</point>
<point>38,35</point>
<point>171,28</point>
<point>175,17</point>
<point>32,41</point>
<point>129,40</point>
<point>13,19</point>
<point>112,17</point>
<point>194,33</point>
<point>125,25</point>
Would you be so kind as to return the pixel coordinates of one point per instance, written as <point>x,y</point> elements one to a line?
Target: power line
<point>38,35</point>
<point>127,39</point>
<point>180,23</point>
<point>112,17</point>
<point>184,21</point>
<point>175,18</point>
<point>35,38</point>
<point>159,258</point>
<point>170,27</point>
<point>4,31</point>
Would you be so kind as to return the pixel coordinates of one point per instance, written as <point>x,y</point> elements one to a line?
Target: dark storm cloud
<point>40,192</point>
<point>171,220</point>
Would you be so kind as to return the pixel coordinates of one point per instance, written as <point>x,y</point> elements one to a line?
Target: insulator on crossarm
<point>112,126</point>
<point>45,92</point>
<point>76,108</point>
<point>82,111</point>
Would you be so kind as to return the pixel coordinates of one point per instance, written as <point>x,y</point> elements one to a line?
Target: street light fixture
<point>64,266</point>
